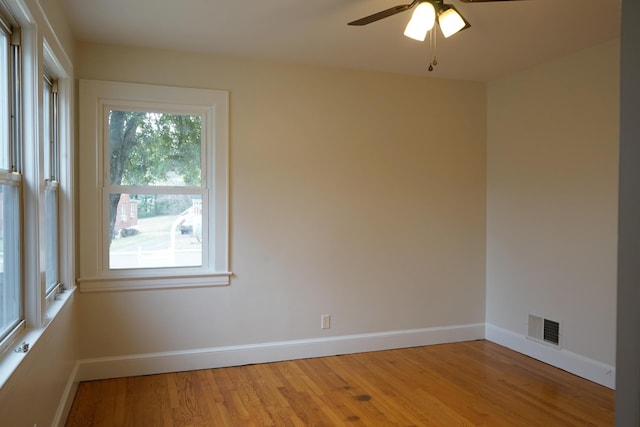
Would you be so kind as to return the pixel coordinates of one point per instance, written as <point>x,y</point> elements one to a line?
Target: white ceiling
<point>504,36</point>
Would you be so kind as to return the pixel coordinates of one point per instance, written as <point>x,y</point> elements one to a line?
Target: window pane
<point>47,127</point>
<point>5,102</point>
<point>155,230</point>
<point>10,295</point>
<point>156,149</point>
<point>51,237</point>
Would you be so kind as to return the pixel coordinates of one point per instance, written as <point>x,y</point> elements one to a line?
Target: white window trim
<point>58,64</point>
<point>95,276</point>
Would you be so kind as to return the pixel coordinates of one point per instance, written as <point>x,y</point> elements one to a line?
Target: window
<point>160,189</point>
<point>11,292</point>
<point>155,159</point>
<point>36,178</point>
<point>50,116</point>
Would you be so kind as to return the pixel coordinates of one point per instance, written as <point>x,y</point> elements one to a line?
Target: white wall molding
<point>155,363</point>
<point>574,363</point>
<point>66,400</point>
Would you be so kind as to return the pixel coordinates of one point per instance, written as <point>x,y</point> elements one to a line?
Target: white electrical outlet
<point>325,321</point>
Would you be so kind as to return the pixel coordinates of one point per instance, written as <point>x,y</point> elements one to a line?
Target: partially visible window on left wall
<point>51,122</point>
<point>11,291</point>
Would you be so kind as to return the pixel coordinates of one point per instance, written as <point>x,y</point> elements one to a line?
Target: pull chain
<point>433,42</point>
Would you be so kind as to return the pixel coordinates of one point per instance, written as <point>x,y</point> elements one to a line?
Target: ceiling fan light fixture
<point>422,20</point>
<point>450,21</point>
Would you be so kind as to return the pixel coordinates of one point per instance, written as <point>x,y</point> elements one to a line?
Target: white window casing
<point>96,99</point>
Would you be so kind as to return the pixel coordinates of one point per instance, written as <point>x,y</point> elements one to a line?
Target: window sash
<point>15,145</point>
<point>201,190</point>
<point>11,292</point>
<point>11,94</point>
<point>51,236</point>
<point>11,284</point>
<point>51,126</point>
<point>170,240</point>
<point>50,144</point>
<point>159,108</point>
<point>5,98</point>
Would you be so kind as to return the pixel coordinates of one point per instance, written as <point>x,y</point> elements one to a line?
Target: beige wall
<point>357,194</point>
<point>38,392</point>
<point>56,17</point>
<point>552,199</point>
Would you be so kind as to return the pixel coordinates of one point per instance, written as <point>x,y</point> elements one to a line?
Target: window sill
<point>119,284</point>
<point>10,360</point>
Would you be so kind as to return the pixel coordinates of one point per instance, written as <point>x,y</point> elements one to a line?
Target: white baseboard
<point>67,398</point>
<point>566,360</point>
<point>176,361</point>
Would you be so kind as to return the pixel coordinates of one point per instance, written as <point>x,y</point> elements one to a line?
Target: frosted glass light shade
<point>450,22</point>
<point>422,20</point>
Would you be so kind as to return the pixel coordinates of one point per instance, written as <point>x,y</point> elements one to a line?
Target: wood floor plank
<point>475,383</point>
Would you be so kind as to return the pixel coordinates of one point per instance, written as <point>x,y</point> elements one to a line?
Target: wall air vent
<point>544,330</point>
<point>551,332</point>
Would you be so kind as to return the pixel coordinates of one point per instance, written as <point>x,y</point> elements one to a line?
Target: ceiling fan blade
<point>384,14</point>
<point>483,1</point>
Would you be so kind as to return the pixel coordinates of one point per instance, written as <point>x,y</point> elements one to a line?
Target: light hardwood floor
<point>474,383</point>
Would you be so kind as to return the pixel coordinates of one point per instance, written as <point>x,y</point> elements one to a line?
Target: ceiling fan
<point>427,13</point>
